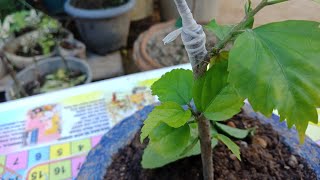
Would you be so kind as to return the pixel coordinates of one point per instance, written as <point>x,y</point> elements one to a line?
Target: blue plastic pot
<point>102,30</point>
<point>54,6</point>
<point>100,157</point>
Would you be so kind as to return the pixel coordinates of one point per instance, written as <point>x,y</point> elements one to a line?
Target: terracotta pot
<point>141,51</point>
<point>141,57</point>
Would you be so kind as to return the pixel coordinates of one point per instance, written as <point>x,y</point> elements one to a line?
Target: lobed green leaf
<point>276,66</point>
<point>170,147</point>
<point>172,141</point>
<point>175,86</point>
<point>220,31</point>
<point>213,96</point>
<point>152,159</point>
<point>170,113</point>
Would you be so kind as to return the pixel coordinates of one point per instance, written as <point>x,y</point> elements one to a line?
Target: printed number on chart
<point>36,175</point>
<point>60,152</point>
<point>59,170</point>
<point>16,162</point>
<point>38,156</point>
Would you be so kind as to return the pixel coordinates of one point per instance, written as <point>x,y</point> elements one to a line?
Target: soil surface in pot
<point>23,31</point>
<point>263,156</point>
<point>97,4</point>
<point>37,50</point>
<point>173,53</point>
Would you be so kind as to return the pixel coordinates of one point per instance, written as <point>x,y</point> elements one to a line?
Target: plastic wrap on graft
<point>192,34</point>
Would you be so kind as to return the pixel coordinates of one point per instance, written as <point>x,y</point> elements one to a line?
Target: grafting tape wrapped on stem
<point>192,34</point>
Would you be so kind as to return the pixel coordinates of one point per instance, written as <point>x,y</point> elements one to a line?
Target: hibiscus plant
<point>275,66</point>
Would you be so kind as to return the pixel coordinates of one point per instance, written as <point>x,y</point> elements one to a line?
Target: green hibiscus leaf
<point>276,66</point>
<point>234,148</point>
<point>225,105</point>
<point>220,31</point>
<point>214,142</point>
<point>170,113</point>
<point>172,141</point>
<point>234,132</point>
<point>151,159</point>
<point>174,86</point>
<point>213,96</point>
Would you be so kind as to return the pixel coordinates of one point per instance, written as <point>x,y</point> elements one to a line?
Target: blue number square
<point>37,156</point>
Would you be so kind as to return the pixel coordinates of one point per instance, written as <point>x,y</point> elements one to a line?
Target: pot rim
<point>98,13</point>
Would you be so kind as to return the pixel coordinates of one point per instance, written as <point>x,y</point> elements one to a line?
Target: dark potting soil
<point>35,51</point>
<point>68,45</point>
<point>97,4</point>
<point>263,156</point>
<point>23,31</point>
<point>60,34</point>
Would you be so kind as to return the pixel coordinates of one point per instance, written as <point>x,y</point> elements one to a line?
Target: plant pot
<point>141,10</point>
<point>149,52</point>
<point>21,61</point>
<point>75,49</point>
<point>102,30</point>
<point>45,67</point>
<point>101,156</point>
<point>54,7</point>
<point>3,70</point>
<point>205,10</point>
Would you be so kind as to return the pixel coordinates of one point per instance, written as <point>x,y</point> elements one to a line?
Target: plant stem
<point>205,144</point>
<point>238,27</point>
<point>203,123</point>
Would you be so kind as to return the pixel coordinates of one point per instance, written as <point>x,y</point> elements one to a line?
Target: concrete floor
<point>231,11</point>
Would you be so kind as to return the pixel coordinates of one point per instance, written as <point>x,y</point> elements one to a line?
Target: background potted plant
<point>274,66</point>
<point>35,37</point>
<point>103,25</point>
<point>48,75</point>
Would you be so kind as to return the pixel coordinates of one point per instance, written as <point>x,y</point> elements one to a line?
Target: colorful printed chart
<point>47,137</point>
<point>60,161</point>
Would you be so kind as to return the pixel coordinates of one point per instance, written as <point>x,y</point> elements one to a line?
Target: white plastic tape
<point>193,37</point>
